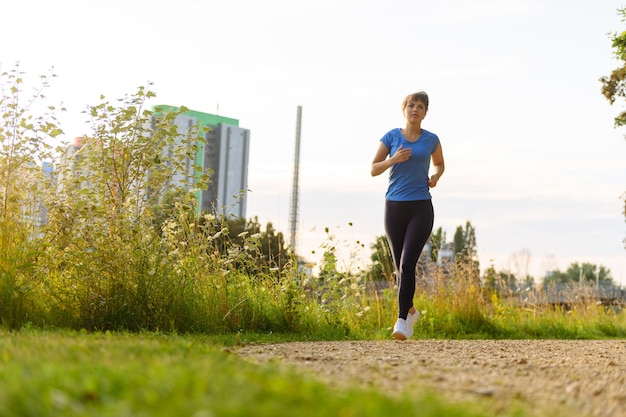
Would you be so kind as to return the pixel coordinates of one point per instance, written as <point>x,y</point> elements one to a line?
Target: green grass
<point>150,374</point>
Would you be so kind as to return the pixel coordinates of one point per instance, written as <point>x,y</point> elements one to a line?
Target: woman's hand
<point>401,155</point>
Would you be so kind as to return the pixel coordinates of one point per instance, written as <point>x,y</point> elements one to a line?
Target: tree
<point>436,239</point>
<point>499,281</point>
<point>259,251</point>
<point>465,247</point>
<point>614,86</point>
<point>464,251</point>
<point>589,273</point>
<point>382,261</point>
<point>273,250</point>
<point>465,241</point>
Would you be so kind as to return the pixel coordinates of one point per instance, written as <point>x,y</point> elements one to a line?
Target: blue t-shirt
<point>408,181</point>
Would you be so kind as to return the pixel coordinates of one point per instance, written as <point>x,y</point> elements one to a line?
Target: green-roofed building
<point>225,153</point>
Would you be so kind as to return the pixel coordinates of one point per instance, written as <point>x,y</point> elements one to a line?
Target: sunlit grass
<point>149,374</point>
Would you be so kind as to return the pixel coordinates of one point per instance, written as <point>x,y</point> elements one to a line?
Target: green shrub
<point>23,145</point>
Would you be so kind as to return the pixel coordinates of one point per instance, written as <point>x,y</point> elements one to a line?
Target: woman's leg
<point>408,226</point>
<point>396,220</point>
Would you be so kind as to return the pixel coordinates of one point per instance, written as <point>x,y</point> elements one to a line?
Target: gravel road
<point>564,377</point>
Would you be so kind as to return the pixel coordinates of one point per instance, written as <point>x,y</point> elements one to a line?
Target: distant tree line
<point>464,249</point>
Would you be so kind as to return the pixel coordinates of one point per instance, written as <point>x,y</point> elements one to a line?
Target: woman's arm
<point>381,163</point>
<point>439,166</point>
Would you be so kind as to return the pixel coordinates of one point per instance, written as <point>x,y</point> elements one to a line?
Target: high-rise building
<point>31,199</point>
<point>224,155</point>
<point>48,172</point>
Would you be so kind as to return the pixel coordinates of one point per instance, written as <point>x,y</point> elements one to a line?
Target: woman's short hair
<point>419,96</point>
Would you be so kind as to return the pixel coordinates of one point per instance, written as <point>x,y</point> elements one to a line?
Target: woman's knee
<point>407,269</point>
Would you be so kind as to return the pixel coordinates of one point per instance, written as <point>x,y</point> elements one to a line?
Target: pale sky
<point>532,158</point>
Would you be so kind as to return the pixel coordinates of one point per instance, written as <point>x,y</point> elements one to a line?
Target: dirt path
<point>570,378</point>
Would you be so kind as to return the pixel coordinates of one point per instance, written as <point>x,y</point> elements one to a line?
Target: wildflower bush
<point>106,259</point>
<point>23,146</point>
<point>123,247</point>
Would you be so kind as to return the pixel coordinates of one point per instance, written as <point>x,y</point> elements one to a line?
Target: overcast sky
<point>532,158</point>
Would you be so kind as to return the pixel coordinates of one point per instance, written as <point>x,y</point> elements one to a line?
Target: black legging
<point>408,225</point>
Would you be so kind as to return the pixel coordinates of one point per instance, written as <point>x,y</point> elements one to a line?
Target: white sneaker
<point>411,319</point>
<point>400,331</point>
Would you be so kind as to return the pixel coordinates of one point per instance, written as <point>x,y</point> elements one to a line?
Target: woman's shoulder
<point>429,133</point>
<point>394,132</point>
<point>392,136</point>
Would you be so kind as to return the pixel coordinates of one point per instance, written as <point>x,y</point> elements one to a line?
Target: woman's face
<point>415,111</point>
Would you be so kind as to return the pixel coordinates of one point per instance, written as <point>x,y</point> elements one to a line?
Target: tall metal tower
<point>293,216</point>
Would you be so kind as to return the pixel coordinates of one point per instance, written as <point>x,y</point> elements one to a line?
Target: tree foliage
<point>575,272</point>
<point>382,262</point>
<point>614,85</point>
<point>464,246</point>
<point>465,241</point>
<point>437,238</point>
<point>268,246</point>
<point>465,252</point>
<point>498,280</point>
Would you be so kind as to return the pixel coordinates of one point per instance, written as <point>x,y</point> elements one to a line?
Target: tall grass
<point>455,304</point>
